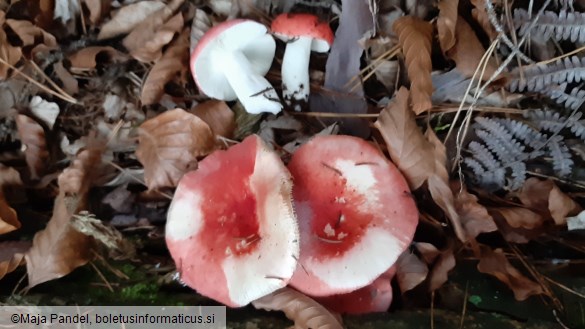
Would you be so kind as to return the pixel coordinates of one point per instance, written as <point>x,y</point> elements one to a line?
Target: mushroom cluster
<point>231,59</point>
<point>238,229</point>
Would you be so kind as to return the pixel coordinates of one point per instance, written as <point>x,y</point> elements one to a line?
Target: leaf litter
<point>109,112</point>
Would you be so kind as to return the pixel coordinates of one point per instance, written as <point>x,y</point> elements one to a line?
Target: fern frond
<point>562,26</point>
<point>547,120</point>
<point>561,157</point>
<point>538,77</point>
<point>578,128</point>
<point>526,134</point>
<point>572,101</point>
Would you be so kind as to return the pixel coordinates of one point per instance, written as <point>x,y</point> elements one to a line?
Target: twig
<point>562,286</point>
<point>138,180</point>
<point>494,20</point>
<point>51,82</point>
<point>102,277</point>
<point>464,310</point>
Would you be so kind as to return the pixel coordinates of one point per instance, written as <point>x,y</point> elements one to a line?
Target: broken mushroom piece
<point>355,211</point>
<point>231,229</point>
<point>230,62</point>
<point>302,33</point>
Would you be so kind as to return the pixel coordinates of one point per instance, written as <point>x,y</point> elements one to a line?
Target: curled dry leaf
<point>446,23</point>
<point>8,53</point>
<point>468,52</point>
<point>59,248</point>
<point>32,137</point>
<point>29,33</point>
<point>546,197</point>
<point>8,217</point>
<point>415,36</point>
<point>218,116</point>
<point>174,62</point>
<point>86,58</point>
<point>12,255</point>
<point>410,271</point>
<point>410,151</point>
<point>304,311</point>
<point>518,217</point>
<point>97,9</point>
<point>515,234</point>
<point>428,252</point>
<point>147,39</point>
<point>481,16</point>
<point>129,17</point>
<point>440,271</point>
<point>495,263</point>
<point>474,217</point>
<point>169,144</point>
<point>406,144</point>
<point>70,84</point>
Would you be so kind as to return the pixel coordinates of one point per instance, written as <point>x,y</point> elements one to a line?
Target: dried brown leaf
<point>428,252</point>
<point>440,271</point>
<point>410,271</point>
<point>415,36</point>
<point>218,116</point>
<point>495,263</point>
<point>438,184</point>
<point>481,16</point>
<point>446,23</point>
<point>561,205</point>
<point>474,217</point>
<point>8,217</point>
<point>86,58</point>
<point>12,255</point>
<point>468,52</point>
<point>147,39</point>
<point>59,248</point>
<point>28,33</point>
<point>169,144</point>
<point>129,17</point>
<point>304,311</point>
<point>518,217</point>
<point>546,198</point>
<point>97,9</point>
<point>174,62</point>
<point>70,84</point>
<point>32,137</point>
<point>8,53</point>
<point>407,146</point>
<point>515,234</point>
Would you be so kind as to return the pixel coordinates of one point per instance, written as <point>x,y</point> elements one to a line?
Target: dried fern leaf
<point>304,311</point>
<point>415,38</point>
<point>561,157</point>
<point>572,100</point>
<point>560,26</point>
<point>539,77</point>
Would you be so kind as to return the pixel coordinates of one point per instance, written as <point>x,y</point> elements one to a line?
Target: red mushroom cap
<point>288,26</point>
<point>373,298</point>
<point>231,229</point>
<point>355,211</point>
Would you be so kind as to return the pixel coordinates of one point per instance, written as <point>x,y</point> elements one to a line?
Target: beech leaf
<point>546,197</point>
<point>128,17</point>
<point>474,217</point>
<point>518,217</point>
<point>12,255</point>
<point>446,23</point>
<point>32,137</point>
<point>97,9</point>
<point>8,53</point>
<point>415,38</point>
<point>304,311</point>
<point>410,271</point>
<point>169,144</point>
<point>174,62</point>
<point>495,263</point>
<point>428,252</point>
<point>8,217</point>
<point>481,16</point>
<point>86,58</point>
<point>407,146</point>
<point>218,116</point>
<point>440,272</point>
<point>28,33</point>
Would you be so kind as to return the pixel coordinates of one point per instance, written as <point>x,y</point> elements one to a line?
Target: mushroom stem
<point>254,92</point>
<point>295,70</point>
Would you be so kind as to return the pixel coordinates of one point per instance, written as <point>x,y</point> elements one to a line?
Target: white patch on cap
<point>356,268</point>
<point>274,260</point>
<point>184,218</point>
<point>328,230</point>
<point>359,177</point>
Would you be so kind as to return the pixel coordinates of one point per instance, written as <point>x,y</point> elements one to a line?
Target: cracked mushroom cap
<point>231,229</point>
<point>355,211</point>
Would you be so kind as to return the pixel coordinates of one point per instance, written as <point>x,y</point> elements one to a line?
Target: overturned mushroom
<point>231,229</point>
<point>230,62</point>
<point>355,211</point>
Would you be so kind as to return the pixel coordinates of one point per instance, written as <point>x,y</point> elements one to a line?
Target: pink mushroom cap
<point>355,211</point>
<point>231,228</point>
